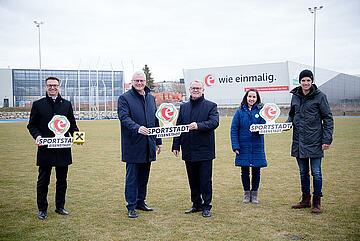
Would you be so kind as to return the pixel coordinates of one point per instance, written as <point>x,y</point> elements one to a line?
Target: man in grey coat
<point>312,134</point>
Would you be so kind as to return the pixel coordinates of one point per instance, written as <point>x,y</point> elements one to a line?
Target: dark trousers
<point>43,184</point>
<point>137,177</point>
<point>255,178</point>
<point>200,181</point>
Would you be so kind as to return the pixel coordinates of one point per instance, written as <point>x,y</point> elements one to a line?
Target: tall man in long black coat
<point>198,146</point>
<point>42,112</point>
<point>136,110</point>
<point>313,127</point>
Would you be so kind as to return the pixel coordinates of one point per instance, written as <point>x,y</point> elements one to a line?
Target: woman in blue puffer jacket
<point>248,146</point>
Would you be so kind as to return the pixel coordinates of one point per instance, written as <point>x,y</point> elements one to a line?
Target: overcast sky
<point>170,35</point>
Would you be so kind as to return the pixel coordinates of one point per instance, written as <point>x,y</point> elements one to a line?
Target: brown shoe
<point>316,205</point>
<point>304,203</point>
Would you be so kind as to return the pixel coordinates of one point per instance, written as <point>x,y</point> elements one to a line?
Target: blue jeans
<point>315,164</point>
<point>255,178</point>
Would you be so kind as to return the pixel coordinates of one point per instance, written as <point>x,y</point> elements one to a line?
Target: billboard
<point>227,85</point>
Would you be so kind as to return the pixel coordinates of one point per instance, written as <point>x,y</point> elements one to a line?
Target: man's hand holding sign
<point>167,115</point>
<point>59,124</point>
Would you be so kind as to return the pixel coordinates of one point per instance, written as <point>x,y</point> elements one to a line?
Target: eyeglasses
<point>196,88</point>
<point>52,86</point>
<point>139,80</point>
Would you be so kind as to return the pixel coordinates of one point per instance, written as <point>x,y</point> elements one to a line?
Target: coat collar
<point>257,106</point>
<point>198,100</point>
<point>146,89</point>
<point>50,99</point>
<point>298,91</point>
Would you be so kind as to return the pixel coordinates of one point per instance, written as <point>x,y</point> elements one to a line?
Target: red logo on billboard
<point>270,112</point>
<point>209,80</point>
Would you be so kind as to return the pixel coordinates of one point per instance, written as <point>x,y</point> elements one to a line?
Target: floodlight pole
<point>313,11</point>
<point>112,91</point>
<point>37,24</point>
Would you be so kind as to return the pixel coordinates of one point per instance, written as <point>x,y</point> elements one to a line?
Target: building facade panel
<point>86,89</point>
<point>6,96</point>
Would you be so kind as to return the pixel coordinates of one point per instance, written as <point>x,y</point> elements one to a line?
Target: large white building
<point>226,85</point>
<point>99,89</point>
<point>86,89</point>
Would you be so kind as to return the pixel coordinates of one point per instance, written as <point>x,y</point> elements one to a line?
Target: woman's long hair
<point>258,99</point>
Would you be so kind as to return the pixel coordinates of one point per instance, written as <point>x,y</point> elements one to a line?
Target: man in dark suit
<point>198,146</point>
<point>136,110</point>
<point>42,112</point>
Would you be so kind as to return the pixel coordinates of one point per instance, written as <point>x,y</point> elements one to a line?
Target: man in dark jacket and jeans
<point>136,110</point>
<point>42,112</point>
<point>198,146</point>
<point>312,134</point>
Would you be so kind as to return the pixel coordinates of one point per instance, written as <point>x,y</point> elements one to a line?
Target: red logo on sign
<point>59,124</point>
<point>209,80</point>
<point>270,112</point>
<point>167,113</point>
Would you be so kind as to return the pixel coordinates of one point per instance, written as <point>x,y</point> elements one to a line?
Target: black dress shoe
<point>132,214</point>
<point>144,207</point>
<point>193,210</point>
<point>206,213</point>
<point>42,215</point>
<point>62,211</point>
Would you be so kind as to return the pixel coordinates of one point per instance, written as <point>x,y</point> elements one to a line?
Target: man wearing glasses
<point>136,110</point>
<point>42,112</point>
<point>198,146</point>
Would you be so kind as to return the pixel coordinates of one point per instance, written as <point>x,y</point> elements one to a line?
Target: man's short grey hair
<point>197,81</point>
<point>138,73</point>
